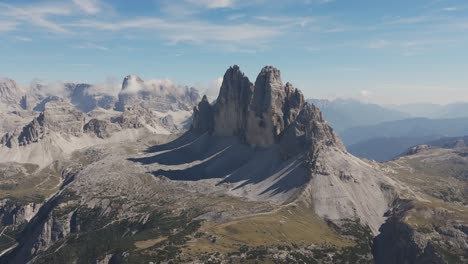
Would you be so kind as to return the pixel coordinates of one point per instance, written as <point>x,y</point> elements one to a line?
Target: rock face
<point>308,129</point>
<point>60,117</point>
<point>137,116</point>
<point>100,128</point>
<point>82,96</point>
<point>273,116</point>
<point>203,116</point>
<point>232,106</point>
<point>162,96</point>
<point>40,107</point>
<point>416,149</point>
<point>11,95</point>
<point>263,114</point>
<point>14,214</point>
<point>256,113</point>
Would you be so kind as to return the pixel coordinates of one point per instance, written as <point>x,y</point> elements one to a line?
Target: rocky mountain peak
<point>64,118</point>
<point>11,94</point>
<point>232,105</point>
<point>130,80</point>
<point>159,95</point>
<point>202,116</point>
<point>58,116</point>
<point>416,150</point>
<point>260,114</point>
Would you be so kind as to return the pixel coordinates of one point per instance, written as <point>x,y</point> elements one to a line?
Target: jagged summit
<point>11,95</point>
<point>59,117</point>
<point>274,116</point>
<point>259,114</point>
<point>159,95</point>
<point>130,80</point>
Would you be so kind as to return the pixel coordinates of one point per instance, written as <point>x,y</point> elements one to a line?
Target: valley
<point>253,179</point>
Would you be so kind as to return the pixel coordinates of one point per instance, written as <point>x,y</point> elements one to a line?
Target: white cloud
<point>212,4</point>
<point>302,21</point>
<point>91,45</point>
<point>22,39</point>
<point>7,26</point>
<point>451,8</point>
<point>190,31</point>
<point>37,15</point>
<point>350,69</point>
<point>378,44</point>
<point>88,6</point>
<point>365,93</point>
<point>110,86</point>
<point>235,16</point>
<point>154,86</point>
<point>212,89</point>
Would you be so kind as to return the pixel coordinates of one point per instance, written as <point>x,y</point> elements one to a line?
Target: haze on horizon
<point>377,51</point>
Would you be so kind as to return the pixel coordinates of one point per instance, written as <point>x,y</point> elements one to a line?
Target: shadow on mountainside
<point>195,157</point>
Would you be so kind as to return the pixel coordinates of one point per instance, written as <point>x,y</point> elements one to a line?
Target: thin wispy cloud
<point>7,26</point>
<point>212,4</point>
<point>37,15</point>
<point>316,35</point>
<point>381,43</point>
<point>91,45</point>
<point>302,21</point>
<point>189,31</point>
<point>22,39</point>
<point>235,16</point>
<point>88,6</point>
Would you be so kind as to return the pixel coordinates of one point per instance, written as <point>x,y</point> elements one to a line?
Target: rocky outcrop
<point>274,107</point>
<point>274,117</point>
<point>416,150</point>
<point>162,96</point>
<point>309,129</point>
<point>100,128</point>
<point>259,114</point>
<point>11,95</point>
<point>40,107</point>
<point>203,116</point>
<point>32,132</point>
<point>231,108</point>
<point>85,99</point>
<point>64,118</point>
<point>12,214</point>
<point>137,116</point>
<point>59,117</point>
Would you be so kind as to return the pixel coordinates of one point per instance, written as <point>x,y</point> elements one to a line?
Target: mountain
<point>159,95</point>
<point>450,142</point>
<point>85,98</point>
<point>11,95</point>
<point>62,129</point>
<point>386,148</point>
<point>169,103</point>
<point>387,140</point>
<point>432,215</point>
<point>436,111</point>
<point>346,113</point>
<point>260,177</point>
<point>415,127</point>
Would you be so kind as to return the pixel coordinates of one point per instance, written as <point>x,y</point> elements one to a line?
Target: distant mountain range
<point>428,110</point>
<point>383,132</point>
<point>158,95</point>
<point>346,113</point>
<point>258,176</point>
<point>387,140</point>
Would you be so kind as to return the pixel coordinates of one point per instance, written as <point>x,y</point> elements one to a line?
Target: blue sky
<point>381,51</point>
